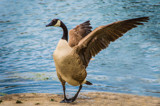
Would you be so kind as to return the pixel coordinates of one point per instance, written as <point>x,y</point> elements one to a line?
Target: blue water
<point>131,64</point>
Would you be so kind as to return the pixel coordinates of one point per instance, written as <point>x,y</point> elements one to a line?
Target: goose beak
<point>50,24</point>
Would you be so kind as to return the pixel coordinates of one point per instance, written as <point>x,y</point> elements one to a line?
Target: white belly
<point>66,62</point>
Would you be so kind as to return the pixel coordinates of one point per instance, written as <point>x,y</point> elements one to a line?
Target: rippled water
<point>129,65</point>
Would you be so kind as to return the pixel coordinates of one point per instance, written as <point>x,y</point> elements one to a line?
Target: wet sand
<point>84,99</point>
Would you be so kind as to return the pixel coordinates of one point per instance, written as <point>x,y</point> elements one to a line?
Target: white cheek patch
<point>58,24</point>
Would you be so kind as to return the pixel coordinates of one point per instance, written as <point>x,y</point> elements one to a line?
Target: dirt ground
<point>84,99</point>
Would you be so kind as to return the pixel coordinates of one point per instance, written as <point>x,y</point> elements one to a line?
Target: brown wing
<point>101,37</point>
<point>79,32</point>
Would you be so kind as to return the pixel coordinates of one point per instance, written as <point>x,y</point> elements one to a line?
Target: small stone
<point>52,99</point>
<point>18,101</point>
<point>1,101</point>
<point>37,104</point>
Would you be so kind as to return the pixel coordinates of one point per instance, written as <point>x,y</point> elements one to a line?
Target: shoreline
<point>85,99</point>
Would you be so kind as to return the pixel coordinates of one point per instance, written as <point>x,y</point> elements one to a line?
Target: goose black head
<point>54,22</point>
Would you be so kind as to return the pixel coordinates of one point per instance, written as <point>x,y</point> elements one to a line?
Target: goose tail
<point>88,83</point>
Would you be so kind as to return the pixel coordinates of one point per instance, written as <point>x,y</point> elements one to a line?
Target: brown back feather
<point>79,32</point>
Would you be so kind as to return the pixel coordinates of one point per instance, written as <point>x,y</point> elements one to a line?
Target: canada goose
<point>71,60</point>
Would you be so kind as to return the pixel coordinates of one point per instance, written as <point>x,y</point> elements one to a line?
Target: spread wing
<point>101,37</point>
<point>79,32</point>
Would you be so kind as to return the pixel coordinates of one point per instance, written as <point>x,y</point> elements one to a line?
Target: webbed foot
<point>67,101</point>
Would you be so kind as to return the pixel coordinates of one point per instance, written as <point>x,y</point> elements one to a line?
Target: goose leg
<point>65,100</point>
<point>64,93</point>
<point>75,97</point>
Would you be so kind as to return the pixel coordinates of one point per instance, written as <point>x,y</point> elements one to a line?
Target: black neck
<point>65,31</point>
